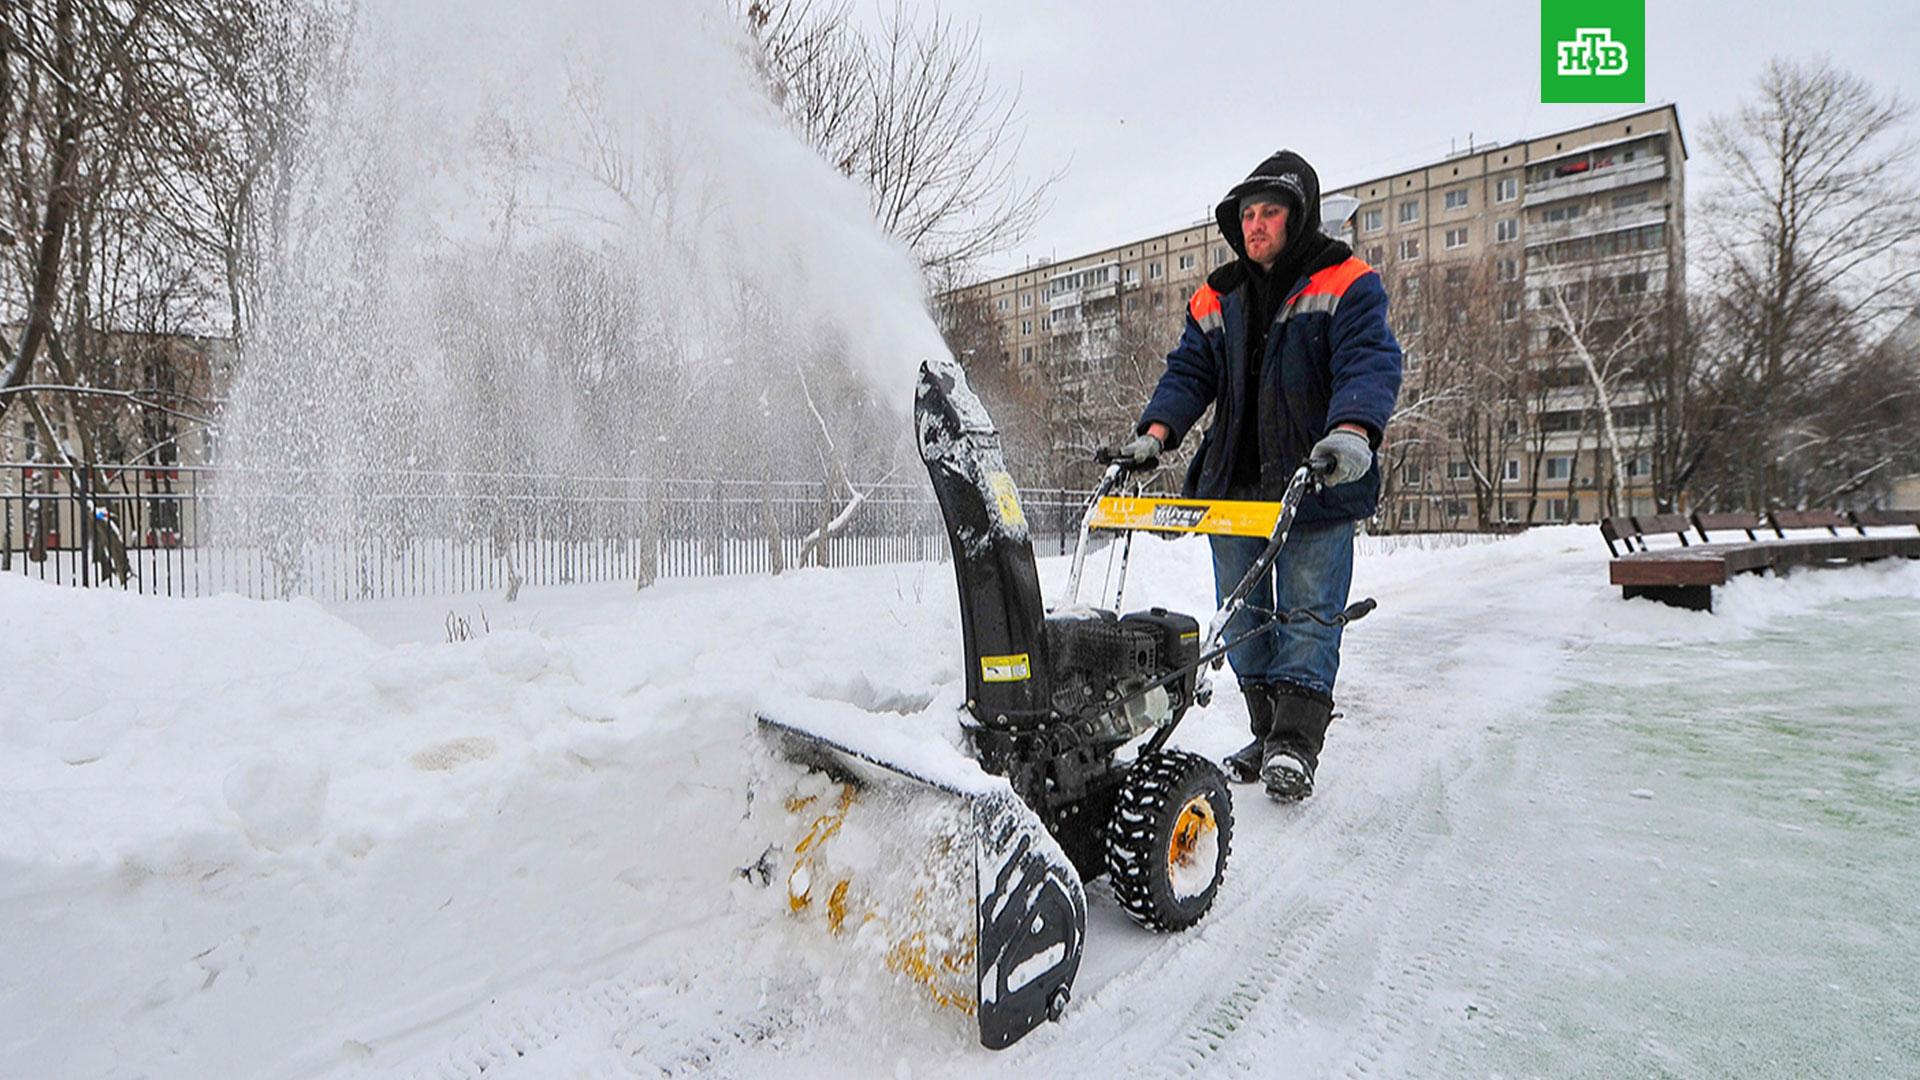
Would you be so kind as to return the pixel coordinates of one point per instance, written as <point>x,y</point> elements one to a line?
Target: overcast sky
<point>1152,109</point>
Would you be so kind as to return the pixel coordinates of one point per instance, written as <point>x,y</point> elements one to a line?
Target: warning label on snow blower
<point>1006,668</point>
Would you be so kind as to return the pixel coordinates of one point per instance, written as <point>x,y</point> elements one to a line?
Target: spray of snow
<point>561,239</point>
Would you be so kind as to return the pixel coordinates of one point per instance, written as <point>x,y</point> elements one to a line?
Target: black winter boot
<point>1243,765</point>
<point>1292,750</point>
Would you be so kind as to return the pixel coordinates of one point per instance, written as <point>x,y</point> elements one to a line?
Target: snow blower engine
<point>1053,699</point>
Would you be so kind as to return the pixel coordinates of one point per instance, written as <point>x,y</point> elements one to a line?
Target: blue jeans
<point>1314,570</point>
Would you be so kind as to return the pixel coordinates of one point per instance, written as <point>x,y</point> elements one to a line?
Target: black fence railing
<point>195,531</point>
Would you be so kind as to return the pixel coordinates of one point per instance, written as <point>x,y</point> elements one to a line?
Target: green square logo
<point>1593,50</point>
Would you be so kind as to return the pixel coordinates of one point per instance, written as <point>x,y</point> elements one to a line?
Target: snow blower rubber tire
<point>1168,839</point>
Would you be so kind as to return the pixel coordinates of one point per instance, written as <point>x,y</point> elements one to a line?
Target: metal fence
<point>415,533</point>
<point>402,532</point>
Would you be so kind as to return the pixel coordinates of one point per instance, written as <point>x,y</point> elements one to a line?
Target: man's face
<point>1264,224</point>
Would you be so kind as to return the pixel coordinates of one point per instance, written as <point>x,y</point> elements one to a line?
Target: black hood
<point>1287,175</point>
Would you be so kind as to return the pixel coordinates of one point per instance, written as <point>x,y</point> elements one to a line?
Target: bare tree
<point>1468,403</point>
<point>138,137</point>
<point>1815,242</point>
<point>1607,322</point>
<point>911,112</point>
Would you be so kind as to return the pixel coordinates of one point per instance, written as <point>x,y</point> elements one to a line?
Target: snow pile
<point>241,837</point>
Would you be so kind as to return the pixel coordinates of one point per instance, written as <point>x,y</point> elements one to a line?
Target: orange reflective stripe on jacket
<point>1205,308</point>
<point>1325,289</point>
<point>1335,279</point>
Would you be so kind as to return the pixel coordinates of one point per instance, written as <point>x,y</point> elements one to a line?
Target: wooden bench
<point>1684,572</point>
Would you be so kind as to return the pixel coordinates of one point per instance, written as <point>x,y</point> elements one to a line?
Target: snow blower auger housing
<point>1052,700</point>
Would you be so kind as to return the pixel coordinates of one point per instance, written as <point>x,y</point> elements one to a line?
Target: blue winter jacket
<point>1330,359</point>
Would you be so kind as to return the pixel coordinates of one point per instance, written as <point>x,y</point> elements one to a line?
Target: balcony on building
<point>1631,217</point>
<point>1072,288</point>
<point>1593,169</point>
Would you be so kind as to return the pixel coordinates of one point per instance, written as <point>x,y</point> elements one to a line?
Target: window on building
<point>1511,471</point>
<point>1506,230</point>
<point>1046,322</point>
<point>1507,270</point>
<point>1456,275</point>
<point>1640,466</point>
<point>1509,309</point>
<point>1456,238</point>
<point>1409,361</point>
<point>1512,426</point>
<point>1133,303</point>
<point>1026,300</point>
<point>1457,199</point>
<point>1371,220</point>
<point>1376,255</point>
<point>1559,467</point>
<point>1456,508</point>
<point>1411,286</point>
<point>1222,255</point>
<point>1561,420</point>
<point>1026,354</point>
<point>1186,262</point>
<point>1005,303</point>
<point>1409,323</point>
<point>1631,198</point>
<point>1562,213</point>
<point>1510,510</point>
<point>1410,248</point>
<point>1459,470</point>
<point>1506,189</point>
<point>1632,416</point>
<point>1026,326</point>
<point>1563,509</point>
<point>1409,513</point>
<point>1410,474</point>
<point>1155,270</point>
<point>1409,211</point>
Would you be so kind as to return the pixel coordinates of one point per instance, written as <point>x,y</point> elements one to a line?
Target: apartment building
<point>1532,243</point>
<point>1549,238</point>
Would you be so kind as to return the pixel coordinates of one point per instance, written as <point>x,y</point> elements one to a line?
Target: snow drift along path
<point>249,839</point>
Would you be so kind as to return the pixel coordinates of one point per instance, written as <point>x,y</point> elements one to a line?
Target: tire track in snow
<point>1397,950</point>
<point>1311,931</point>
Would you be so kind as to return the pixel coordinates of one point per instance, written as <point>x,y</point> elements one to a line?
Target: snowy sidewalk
<point>272,845</point>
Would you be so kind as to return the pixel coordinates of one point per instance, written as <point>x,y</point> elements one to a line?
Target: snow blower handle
<point>1128,456</point>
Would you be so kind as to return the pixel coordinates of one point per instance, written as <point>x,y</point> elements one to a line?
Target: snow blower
<point>1069,712</point>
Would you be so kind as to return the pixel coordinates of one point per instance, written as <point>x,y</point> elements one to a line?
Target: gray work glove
<point>1350,454</point>
<point>1142,452</point>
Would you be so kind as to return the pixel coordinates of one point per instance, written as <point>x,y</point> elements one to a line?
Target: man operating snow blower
<point>1290,345</point>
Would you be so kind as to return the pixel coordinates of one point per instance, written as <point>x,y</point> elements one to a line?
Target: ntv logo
<point>1592,52</point>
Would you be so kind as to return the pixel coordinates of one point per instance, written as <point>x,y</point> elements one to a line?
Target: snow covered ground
<point>1557,834</point>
